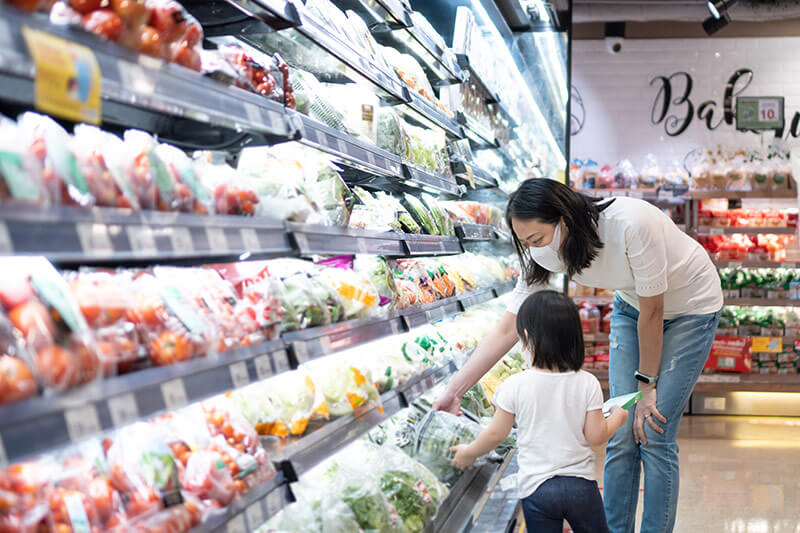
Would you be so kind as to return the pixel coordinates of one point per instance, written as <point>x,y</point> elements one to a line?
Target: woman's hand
<point>646,411</point>
<point>462,458</point>
<point>448,402</point>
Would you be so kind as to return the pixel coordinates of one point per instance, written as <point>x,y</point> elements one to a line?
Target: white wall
<point>618,98</point>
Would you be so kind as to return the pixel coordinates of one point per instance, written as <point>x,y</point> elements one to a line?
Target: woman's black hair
<point>548,323</point>
<point>551,201</point>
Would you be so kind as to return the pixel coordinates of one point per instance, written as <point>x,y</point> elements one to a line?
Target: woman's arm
<point>489,439</point>
<point>490,350</point>
<point>598,430</point>
<point>651,335</point>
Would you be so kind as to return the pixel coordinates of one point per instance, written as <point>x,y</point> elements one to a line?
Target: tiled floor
<point>738,475</point>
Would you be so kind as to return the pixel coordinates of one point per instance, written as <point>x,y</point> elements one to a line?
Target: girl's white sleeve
<point>521,291</point>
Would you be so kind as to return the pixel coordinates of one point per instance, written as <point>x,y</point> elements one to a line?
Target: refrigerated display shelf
<point>476,232</point>
<point>140,91</point>
<point>418,245</point>
<point>476,132</point>
<point>482,506</point>
<point>739,195</point>
<point>429,114</point>
<point>74,236</point>
<point>464,63</point>
<point>380,15</point>
<point>45,422</point>
<point>755,264</point>
<point>418,176</point>
<point>251,511</point>
<point>732,230</point>
<point>763,302</point>
<point>304,453</point>
<point>311,239</point>
<point>428,313</point>
<point>480,178</point>
<point>226,17</point>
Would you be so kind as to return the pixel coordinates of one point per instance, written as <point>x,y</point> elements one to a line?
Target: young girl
<point>558,411</point>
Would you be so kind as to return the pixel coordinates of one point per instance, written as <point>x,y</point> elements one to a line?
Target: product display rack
<point>732,230</point>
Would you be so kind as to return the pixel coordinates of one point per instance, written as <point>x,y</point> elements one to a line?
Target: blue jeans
<point>574,499</point>
<point>687,343</point>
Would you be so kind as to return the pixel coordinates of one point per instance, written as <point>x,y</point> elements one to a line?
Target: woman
<point>666,308</point>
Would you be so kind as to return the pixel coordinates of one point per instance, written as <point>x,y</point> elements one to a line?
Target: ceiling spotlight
<point>712,25</point>
<point>719,7</point>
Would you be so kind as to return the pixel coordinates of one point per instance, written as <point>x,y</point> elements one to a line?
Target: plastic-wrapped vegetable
<point>359,296</point>
<point>20,178</point>
<point>344,387</point>
<point>16,379</point>
<point>420,214</point>
<point>312,100</point>
<point>476,402</point>
<point>437,433</point>
<point>231,194</point>
<point>392,135</point>
<point>154,184</point>
<point>107,182</point>
<point>192,195</point>
<point>24,488</point>
<point>376,269</point>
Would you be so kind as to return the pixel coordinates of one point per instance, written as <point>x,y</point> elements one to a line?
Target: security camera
<point>614,45</point>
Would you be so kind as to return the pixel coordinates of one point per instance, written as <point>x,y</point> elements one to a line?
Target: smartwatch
<point>645,378</point>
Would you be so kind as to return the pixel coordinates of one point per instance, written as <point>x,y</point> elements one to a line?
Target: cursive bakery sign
<point>675,108</point>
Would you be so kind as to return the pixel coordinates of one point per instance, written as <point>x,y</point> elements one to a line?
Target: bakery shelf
<point>732,230</point>
<point>756,264</point>
<point>306,452</point>
<point>74,236</point>
<point>311,239</point>
<point>251,511</point>
<point>475,232</point>
<point>763,302</point>
<point>347,149</point>
<point>45,422</point>
<point>738,195</point>
<point>480,178</point>
<point>146,93</point>
<point>418,176</point>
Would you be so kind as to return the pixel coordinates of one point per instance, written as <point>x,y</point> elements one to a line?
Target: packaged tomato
<point>153,183</point>
<point>179,31</point>
<point>81,499</point>
<point>16,379</point>
<point>171,326</point>
<point>105,176</point>
<point>41,308</point>
<point>192,195</point>
<point>105,299</point>
<point>56,165</point>
<point>20,178</point>
<point>231,195</point>
<point>267,76</point>
<point>24,490</point>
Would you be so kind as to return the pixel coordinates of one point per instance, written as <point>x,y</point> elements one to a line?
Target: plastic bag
<point>20,177</point>
<point>313,100</point>
<point>231,193</point>
<point>154,184</point>
<point>392,135</point>
<point>376,270</point>
<point>343,386</point>
<point>651,172</point>
<point>191,194</point>
<point>24,490</point>
<point>267,76</point>
<point>293,401</point>
<point>420,214</point>
<point>356,292</point>
<point>437,433</point>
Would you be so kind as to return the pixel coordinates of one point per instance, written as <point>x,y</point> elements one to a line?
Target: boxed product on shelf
<point>730,354</point>
<point>601,358</point>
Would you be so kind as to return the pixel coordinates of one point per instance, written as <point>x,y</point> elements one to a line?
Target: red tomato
<point>170,347</point>
<point>134,12</point>
<point>85,6</point>
<point>194,34</point>
<point>169,18</point>
<point>186,56</point>
<point>14,291</point>
<point>16,380</point>
<point>57,367</point>
<point>33,320</point>
<point>151,43</point>
<point>102,495</point>
<point>103,22</point>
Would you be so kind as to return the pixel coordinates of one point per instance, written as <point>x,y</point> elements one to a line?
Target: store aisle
<point>738,475</point>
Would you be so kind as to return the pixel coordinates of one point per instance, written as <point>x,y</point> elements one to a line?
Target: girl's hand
<point>646,411</point>
<point>462,459</point>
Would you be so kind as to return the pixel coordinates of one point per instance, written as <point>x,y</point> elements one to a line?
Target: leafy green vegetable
<point>410,497</point>
<point>420,214</point>
<point>368,507</point>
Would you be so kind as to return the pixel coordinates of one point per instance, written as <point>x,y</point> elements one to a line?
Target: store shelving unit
<point>763,302</point>
<point>755,264</point>
<point>712,230</point>
<point>469,175</point>
<point>740,195</point>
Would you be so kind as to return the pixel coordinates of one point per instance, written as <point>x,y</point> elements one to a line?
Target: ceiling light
<point>719,7</point>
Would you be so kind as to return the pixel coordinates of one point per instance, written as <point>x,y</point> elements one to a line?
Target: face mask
<point>548,256</point>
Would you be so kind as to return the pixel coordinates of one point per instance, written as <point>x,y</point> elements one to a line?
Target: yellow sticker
<point>67,82</point>
<point>469,176</point>
<point>767,344</point>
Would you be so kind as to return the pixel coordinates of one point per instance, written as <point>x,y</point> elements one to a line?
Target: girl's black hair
<point>551,201</point>
<point>548,323</point>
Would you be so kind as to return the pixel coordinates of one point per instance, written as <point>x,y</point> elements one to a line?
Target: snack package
<point>55,164</point>
<point>97,153</point>
<point>21,180</point>
<point>105,300</point>
<point>46,317</point>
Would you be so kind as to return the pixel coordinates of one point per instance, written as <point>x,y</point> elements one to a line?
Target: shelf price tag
<point>255,516</point>
<point>239,374</point>
<point>300,351</point>
<point>123,409</point>
<point>142,240</point>
<point>281,360</point>
<point>3,455</point>
<point>734,264</point>
<point>253,114</point>
<point>181,240</point>
<point>236,525</point>
<point>715,231</point>
<point>94,239</point>
<point>217,241</point>
<point>68,80</point>
<point>263,366</point>
<point>82,422</point>
<point>250,240</point>
<point>174,394</point>
<point>6,246</point>
<point>274,501</point>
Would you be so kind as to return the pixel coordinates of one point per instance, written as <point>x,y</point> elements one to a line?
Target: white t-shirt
<point>550,410</point>
<point>645,254</point>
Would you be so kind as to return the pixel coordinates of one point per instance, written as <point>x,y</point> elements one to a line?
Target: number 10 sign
<point>759,112</point>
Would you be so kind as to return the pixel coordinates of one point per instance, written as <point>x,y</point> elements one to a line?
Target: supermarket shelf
<point>493,504</point>
<point>596,300</point>
<point>476,132</point>
<point>595,337</point>
<point>464,63</point>
<point>380,15</point>
<point>481,178</point>
<point>433,312</point>
<point>46,422</point>
<point>713,230</point>
<point>431,245</point>
<point>73,236</point>
<point>227,17</point>
<point>439,64</point>
<point>143,92</point>
<point>748,382</point>
<point>764,302</point>
<point>651,195</point>
<point>311,239</point>
<point>422,177</point>
<point>347,149</point>
<point>306,452</point>
<point>756,264</point>
<point>738,195</point>
<point>476,232</point>
<point>427,113</point>
<point>251,511</point>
